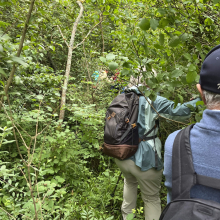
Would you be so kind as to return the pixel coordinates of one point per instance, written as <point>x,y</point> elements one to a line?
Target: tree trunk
<point>68,64</point>
<point>103,42</point>
<point>19,50</point>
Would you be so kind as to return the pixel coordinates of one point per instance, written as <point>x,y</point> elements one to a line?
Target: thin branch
<point>153,106</point>
<point>87,34</point>
<point>41,150</point>
<point>16,140</point>
<point>49,190</point>
<point>19,134</point>
<point>30,187</point>
<point>103,42</point>
<point>36,134</point>
<point>47,124</point>
<point>147,98</point>
<point>76,24</point>
<point>87,67</point>
<point>9,81</point>
<point>7,213</point>
<point>62,35</point>
<point>14,125</point>
<point>84,51</point>
<point>36,184</point>
<point>68,64</point>
<point>10,185</point>
<point>157,111</point>
<point>164,129</point>
<point>32,195</point>
<point>23,130</point>
<point>24,176</point>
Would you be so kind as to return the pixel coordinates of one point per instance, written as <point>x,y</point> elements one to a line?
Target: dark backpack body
<point>184,178</point>
<point>121,133</point>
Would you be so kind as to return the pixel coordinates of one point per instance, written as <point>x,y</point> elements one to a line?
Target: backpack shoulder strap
<point>183,174</point>
<point>145,137</point>
<point>208,181</point>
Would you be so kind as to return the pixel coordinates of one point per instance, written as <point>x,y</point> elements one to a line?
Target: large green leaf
<point>133,37</point>
<point>216,1</point>
<point>124,72</point>
<point>2,72</point>
<point>161,11</point>
<point>199,103</point>
<point>40,97</point>
<point>180,98</point>
<point>144,24</point>
<point>147,93</point>
<point>208,21</point>
<point>161,39</point>
<point>184,37</point>
<point>191,76</point>
<point>192,67</point>
<point>103,59</point>
<point>113,66</point>
<point>198,46</point>
<point>187,56</point>
<point>153,96</point>
<point>19,60</point>
<point>3,85</point>
<point>176,73</point>
<point>153,23</point>
<point>174,41</point>
<point>17,80</point>
<point>126,64</point>
<point>163,22</point>
<point>110,56</point>
<point>130,216</point>
<point>176,102</point>
<point>146,49</point>
<point>158,46</point>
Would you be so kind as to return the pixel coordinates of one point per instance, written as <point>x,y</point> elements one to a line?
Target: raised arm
<point>166,108</point>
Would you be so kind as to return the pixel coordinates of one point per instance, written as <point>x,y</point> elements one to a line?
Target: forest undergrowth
<point>52,107</point>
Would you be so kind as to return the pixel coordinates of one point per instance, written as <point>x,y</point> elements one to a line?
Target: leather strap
<point>149,138</point>
<point>154,127</point>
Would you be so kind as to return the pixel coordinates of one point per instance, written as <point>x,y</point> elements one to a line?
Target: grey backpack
<point>121,137</point>
<point>121,132</point>
<point>184,178</point>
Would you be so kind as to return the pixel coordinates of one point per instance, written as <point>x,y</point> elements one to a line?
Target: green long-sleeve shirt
<point>145,156</point>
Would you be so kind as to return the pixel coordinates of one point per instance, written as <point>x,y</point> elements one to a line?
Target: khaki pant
<point>149,182</point>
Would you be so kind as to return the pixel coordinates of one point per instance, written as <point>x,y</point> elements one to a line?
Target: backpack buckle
<point>133,125</point>
<point>113,114</point>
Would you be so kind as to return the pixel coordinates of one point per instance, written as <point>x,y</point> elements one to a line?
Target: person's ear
<point>201,92</point>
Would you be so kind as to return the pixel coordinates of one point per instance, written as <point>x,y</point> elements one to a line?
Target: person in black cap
<point>205,135</point>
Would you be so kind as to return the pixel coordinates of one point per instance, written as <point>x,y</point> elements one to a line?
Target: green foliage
<point>144,24</point>
<point>5,132</point>
<point>165,42</point>
<point>113,66</point>
<point>138,214</point>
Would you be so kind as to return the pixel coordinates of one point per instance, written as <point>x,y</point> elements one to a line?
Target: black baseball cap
<point>210,71</point>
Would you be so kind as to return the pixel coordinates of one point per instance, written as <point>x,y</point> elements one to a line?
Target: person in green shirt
<point>142,169</point>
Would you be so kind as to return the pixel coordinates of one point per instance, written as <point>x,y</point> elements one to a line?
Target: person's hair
<point>212,99</point>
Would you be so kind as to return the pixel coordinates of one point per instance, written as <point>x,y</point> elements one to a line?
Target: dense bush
<point>54,169</point>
